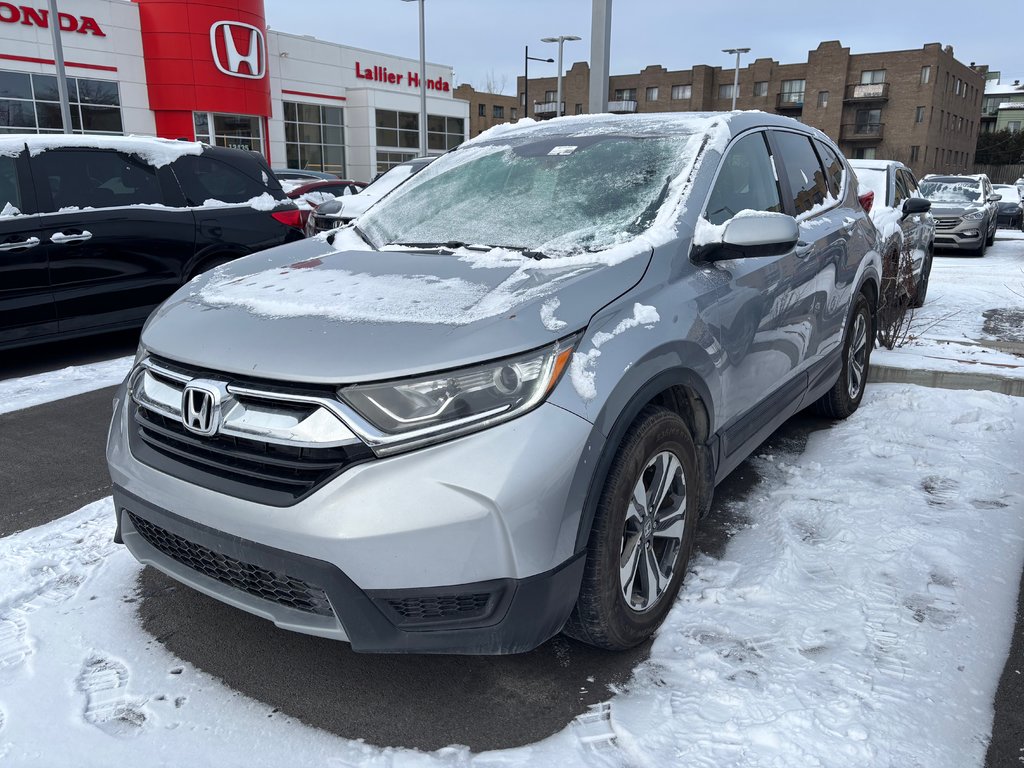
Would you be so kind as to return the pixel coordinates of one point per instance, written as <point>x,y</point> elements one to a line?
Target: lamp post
<point>526,79</point>
<point>736,75</point>
<point>423,83</point>
<point>560,39</point>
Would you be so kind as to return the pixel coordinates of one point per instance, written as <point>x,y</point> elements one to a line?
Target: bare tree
<point>494,83</point>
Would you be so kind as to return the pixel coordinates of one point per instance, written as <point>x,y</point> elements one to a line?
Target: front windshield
<point>389,180</point>
<point>951,191</point>
<point>554,195</point>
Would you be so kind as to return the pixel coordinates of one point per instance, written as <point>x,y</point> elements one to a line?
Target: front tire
<point>922,281</point>
<point>643,533</point>
<point>844,398</point>
<point>991,239</point>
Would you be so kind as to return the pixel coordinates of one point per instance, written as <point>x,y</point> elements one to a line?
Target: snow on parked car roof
<point>878,165</point>
<point>151,150</point>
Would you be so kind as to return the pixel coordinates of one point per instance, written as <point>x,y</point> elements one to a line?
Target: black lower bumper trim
<point>500,616</point>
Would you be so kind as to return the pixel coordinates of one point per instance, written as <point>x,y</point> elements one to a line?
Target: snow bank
<point>27,391</point>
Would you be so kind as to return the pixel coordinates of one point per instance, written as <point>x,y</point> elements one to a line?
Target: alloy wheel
<point>858,355</point>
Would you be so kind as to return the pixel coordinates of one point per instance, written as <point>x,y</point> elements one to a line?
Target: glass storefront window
<point>30,103</point>
<point>400,131</point>
<point>314,137</point>
<point>232,131</point>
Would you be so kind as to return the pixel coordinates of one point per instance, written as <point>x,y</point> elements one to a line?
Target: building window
<point>514,113</point>
<point>864,153</point>
<point>652,93</point>
<point>233,131</point>
<point>914,152</point>
<point>550,96</point>
<point>401,131</point>
<point>919,115</point>
<point>823,99</point>
<point>761,88</point>
<point>481,110</point>
<point>444,133</point>
<point>499,111</point>
<point>30,104</point>
<point>956,88</point>
<point>388,160</point>
<point>625,94</point>
<point>792,92</point>
<point>314,137</point>
<point>725,91</point>
<point>1013,126</point>
<point>680,92</point>
<point>871,76</point>
<point>579,109</point>
<point>926,75</point>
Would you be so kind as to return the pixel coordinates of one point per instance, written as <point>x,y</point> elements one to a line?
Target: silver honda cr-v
<point>496,407</point>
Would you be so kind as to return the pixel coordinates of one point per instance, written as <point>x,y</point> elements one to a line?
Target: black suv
<point>95,231</point>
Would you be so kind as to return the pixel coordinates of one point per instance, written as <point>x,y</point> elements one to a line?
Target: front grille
<point>947,222</point>
<point>285,473</point>
<point>269,585</point>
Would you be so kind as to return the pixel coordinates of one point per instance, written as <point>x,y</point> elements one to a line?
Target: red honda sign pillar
<point>204,56</point>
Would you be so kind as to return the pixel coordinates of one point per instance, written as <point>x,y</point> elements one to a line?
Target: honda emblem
<point>229,59</point>
<point>200,408</point>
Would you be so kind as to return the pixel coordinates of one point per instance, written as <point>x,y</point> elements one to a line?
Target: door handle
<point>63,239</point>
<point>20,245</point>
<point>803,250</point>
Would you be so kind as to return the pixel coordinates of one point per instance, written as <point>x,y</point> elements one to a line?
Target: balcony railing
<point>624,105</point>
<point>867,92</point>
<point>547,107</point>
<point>865,132</point>
<point>793,100</point>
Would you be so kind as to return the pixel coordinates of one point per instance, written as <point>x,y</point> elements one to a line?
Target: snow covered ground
<point>860,617</point>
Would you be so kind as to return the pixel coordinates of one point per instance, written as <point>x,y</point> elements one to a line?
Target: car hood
<point>953,209</point>
<point>309,313</point>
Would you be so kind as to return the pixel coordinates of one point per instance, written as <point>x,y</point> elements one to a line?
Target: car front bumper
<point>954,232</point>
<point>463,547</point>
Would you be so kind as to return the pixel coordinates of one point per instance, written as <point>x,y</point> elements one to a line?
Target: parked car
<point>291,178</point>
<point>964,210</point>
<point>413,445</point>
<point>1010,206</point>
<point>96,231</point>
<point>335,213</point>
<point>315,193</point>
<point>904,224</point>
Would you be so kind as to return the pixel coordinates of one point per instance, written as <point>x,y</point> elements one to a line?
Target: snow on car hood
<point>306,312</point>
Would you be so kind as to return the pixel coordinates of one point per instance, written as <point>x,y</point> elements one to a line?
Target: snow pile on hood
<point>580,368</point>
<point>153,151</point>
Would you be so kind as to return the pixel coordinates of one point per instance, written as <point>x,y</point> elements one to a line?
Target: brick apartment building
<point>921,106</point>
<point>487,109</point>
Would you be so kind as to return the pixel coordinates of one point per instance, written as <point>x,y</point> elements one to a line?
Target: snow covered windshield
<point>550,194</point>
<point>951,191</point>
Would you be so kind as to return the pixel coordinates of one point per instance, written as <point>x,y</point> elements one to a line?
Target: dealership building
<point>210,70</point>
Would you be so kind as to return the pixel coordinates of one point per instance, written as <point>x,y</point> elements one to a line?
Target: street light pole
<point>423,83</point>
<point>736,73</point>
<point>560,39</point>
<point>526,79</point>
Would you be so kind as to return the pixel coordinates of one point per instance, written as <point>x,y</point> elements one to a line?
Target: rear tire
<point>844,398</point>
<point>991,239</point>
<point>642,536</point>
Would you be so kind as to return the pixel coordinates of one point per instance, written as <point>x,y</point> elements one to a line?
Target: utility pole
<point>600,52</point>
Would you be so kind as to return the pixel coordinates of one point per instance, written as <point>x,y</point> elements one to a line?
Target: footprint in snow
<point>939,490</point>
<point>14,646</point>
<point>104,682</point>
<point>939,607</point>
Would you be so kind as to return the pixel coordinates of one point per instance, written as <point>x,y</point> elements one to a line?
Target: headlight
<point>426,409</point>
<point>975,216</point>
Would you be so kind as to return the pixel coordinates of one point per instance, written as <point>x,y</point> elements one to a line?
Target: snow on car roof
<point>878,165</point>
<point>151,150</point>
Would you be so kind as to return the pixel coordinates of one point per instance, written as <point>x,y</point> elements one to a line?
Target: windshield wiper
<point>355,228</point>
<point>453,245</point>
<point>449,245</point>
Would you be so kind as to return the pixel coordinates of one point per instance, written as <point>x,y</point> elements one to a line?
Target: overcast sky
<point>484,37</point>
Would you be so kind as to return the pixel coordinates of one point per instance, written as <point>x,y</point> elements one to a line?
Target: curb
<point>883,374</point>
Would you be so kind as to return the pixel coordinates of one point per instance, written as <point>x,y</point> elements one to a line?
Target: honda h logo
<point>227,57</point>
<point>200,408</point>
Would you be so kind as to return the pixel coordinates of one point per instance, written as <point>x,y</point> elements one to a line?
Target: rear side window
<point>911,182</point>
<point>9,194</point>
<point>807,181</point>
<point>84,178</point>
<point>746,181</point>
<point>833,168</point>
<point>204,178</point>
<point>902,193</point>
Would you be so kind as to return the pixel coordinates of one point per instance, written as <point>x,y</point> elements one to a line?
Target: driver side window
<point>746,181</point>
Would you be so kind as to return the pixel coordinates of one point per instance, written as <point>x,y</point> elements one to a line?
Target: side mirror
<point>914,205</point>
<point>994,198</point>
<point>752,233</point>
